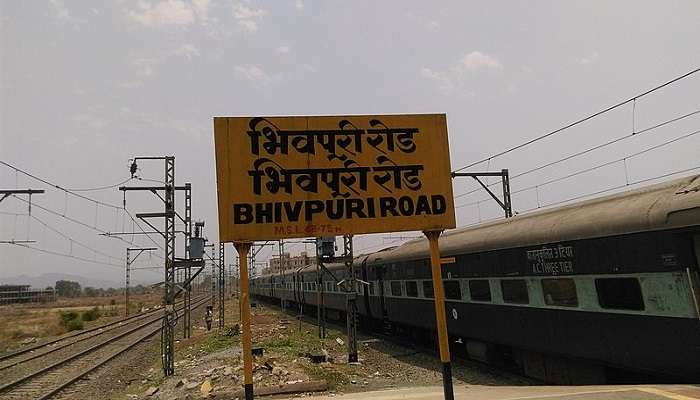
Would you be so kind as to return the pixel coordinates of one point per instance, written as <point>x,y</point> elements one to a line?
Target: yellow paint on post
<point>243,248</point>
<point>286,177</point>
<point>439,293</point>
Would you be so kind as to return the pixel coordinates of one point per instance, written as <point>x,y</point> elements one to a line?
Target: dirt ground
<point>209,364</point>
<point>26,324</point>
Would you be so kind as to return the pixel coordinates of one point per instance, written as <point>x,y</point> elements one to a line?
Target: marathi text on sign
<point>285,176</point>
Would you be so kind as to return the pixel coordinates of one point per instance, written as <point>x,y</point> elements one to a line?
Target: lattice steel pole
<point>213,277</point>
<point>126,289</point>
<point>351,299</point>
<point>187,324</point>
<point>170,320</point>
<point>222,288</point>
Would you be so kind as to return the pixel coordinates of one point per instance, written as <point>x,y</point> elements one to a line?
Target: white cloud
<point>282,50</point>
<point>187,51</point>
<point>432,25</point>
<point>477,60</point>
<point>445,84</point>
<point>465,67</point>
<point>246,17</point>
<point>253,73</point>
<point>299,4</point>
<point>201,8</point>
<point>60,10</point>
<point>590,59</point>
<point>166,12</point>
<point>145,66</point>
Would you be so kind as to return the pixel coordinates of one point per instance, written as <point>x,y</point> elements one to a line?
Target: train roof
<point>673,204</point>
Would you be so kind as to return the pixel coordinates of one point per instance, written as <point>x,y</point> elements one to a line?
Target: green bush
<point>92,314</point>
<point>67,316</point>
<point>74,325</point>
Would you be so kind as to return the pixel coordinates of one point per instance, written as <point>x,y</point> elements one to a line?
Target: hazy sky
<point>86,85</point>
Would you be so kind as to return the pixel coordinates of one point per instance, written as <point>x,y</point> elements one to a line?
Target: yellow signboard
<point>283,177</point>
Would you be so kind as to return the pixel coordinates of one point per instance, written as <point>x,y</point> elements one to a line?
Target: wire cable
<point>586,151</point>
<point>579,121</point>
<point>595,167</point>
<point>55,253</point>
<point>101,187</point>
<point>142,230</point>
<point>65,236</point>
<point>68,191</point>
<point>73,220</point>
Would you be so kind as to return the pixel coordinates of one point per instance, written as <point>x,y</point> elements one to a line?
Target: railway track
<point>44,375</point>
<point>14,358</point>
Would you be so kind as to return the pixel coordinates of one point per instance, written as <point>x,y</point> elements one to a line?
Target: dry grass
<point>41,321</point>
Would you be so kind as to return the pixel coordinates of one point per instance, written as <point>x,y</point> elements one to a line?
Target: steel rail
<point>90,349</point>
<point>124,349</point>
<point>72,335</point>
<point>85,337</point>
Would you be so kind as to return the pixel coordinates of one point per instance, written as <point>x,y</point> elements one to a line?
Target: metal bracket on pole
<point>7,193</point>
<point>506,203</point>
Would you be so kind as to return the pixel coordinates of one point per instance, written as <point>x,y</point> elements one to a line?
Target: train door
<point>386,323</point>
<point>694,274</point>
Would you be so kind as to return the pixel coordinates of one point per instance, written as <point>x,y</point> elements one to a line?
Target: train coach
<point>598,291</point>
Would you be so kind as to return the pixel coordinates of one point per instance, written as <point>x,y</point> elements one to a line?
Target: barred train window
<point>411,289</point>
<point>396,288</point>
<point>515,291</point>
<point>560,292</point>
<point>620,293</point>
<point>480,290</point>
<point>371,287</point>
<point>452,290</point>
<point>428,289</point>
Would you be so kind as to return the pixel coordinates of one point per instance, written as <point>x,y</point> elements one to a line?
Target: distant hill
<point>49,279</point>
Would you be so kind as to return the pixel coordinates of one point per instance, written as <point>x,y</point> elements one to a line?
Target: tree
<point>68,289</point>
<point>90,291</point>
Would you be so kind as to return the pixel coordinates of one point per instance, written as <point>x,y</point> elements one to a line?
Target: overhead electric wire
<point>66,255</point>
<point>142,230</point>
<point>67,237</point>
<point>60,187</point>
<point>589,169</point>
<point>73,220</point>
<point>588,150</point>
<point>101,187</point>
<point>579,121</point>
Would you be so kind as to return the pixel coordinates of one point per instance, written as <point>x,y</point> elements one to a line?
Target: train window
<point>560,292</point>
<point>480,290</point>
<point>619,293</point>
<point>361,288</point>
<point>396,288</point>
<point>371,287</point>
<point>428,289</point>
<point>452,290</point>
<point>411,289</point>
<point>515,291</point>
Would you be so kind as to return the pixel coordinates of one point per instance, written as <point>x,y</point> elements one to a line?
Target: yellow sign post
<point>246,340</point>
<point>287,177</point>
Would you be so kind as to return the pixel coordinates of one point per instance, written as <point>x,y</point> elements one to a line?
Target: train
<point>599,291</point>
